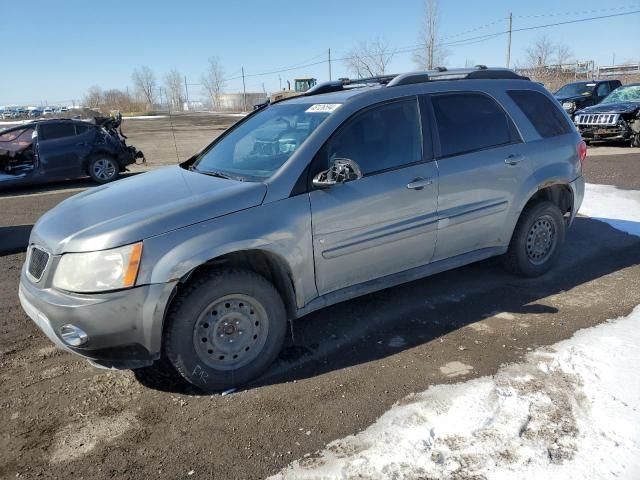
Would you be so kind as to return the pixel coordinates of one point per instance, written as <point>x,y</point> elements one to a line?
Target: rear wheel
<point>225,329</point>
<point>536,241</point>
<point>104,169</point>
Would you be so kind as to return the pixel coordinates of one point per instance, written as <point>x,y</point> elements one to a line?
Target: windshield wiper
<point>218,173</point>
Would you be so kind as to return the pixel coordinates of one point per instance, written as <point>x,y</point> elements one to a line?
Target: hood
<point>140,207</point>
<point>621,107</point>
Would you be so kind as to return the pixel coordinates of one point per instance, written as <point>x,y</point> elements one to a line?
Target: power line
<point>582,12</point>
<point>456,43</point>
<point>575,21</point>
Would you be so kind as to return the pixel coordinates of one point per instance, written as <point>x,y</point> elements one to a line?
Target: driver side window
<point>381,138</point>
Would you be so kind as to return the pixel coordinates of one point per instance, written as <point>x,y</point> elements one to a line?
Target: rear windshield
<point>257,148</point>
<point>544,114</point>
<point>575,89</point>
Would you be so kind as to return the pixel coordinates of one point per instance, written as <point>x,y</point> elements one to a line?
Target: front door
<point>385,222</point>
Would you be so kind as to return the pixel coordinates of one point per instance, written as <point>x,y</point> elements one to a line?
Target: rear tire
<point>224,329</point>
<point>103,169</point>
<point>536,240</point>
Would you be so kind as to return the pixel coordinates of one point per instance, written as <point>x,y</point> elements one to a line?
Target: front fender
<point>281,228</point>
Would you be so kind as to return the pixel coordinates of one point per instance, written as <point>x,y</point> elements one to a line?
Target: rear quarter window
<point>543,114</point>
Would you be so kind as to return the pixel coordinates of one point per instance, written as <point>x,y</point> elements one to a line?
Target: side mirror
<point>342,170</point>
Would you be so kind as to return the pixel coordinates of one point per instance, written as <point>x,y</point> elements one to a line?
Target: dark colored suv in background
<point>577,95</point>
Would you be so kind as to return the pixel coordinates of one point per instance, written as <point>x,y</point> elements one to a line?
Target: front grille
<point>38,260</point>
<point>598,119</point>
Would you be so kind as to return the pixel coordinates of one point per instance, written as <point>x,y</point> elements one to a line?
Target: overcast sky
<point>54,51</point>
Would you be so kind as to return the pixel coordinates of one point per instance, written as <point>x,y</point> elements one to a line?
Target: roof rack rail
<point>338,85</point>
<point>438,73</point>
<point>478,72</point>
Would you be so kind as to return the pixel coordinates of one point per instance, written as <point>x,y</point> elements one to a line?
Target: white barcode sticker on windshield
<point>323,108</point>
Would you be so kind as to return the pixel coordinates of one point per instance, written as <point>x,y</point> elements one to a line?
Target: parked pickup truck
<point>353,187</point>
<point>577,95</point>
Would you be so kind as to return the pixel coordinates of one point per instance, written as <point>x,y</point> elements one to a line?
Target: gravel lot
<point>344,367</point>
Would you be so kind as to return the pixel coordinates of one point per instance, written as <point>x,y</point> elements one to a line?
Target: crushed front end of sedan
<point>616,118</point>
<point>59,149</point>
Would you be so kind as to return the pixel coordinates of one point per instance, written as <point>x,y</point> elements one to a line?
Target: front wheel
<point>536,241</point>
<point>224,329</point>
<point>103,169</point>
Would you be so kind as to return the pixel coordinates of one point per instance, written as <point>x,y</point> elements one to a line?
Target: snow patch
<point>567,412</point>
<point>145,117</point>
<point>617,207</point>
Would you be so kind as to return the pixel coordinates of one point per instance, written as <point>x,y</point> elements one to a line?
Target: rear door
<point>482,164</point>
<point>385,222</point>
<point>60,148</point>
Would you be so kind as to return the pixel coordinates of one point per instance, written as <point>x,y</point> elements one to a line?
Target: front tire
<point>103,169</point>
<point>225,329</point>
<point>536,240</point>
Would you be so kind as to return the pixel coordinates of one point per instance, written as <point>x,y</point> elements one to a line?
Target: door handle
<point>419,183</point>
<point>513,159</point>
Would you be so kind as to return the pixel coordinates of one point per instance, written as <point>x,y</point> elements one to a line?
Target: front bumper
<point>124,328</point>
<point>614,132</point>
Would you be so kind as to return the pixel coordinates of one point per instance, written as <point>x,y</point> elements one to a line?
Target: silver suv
<point>354,187</point>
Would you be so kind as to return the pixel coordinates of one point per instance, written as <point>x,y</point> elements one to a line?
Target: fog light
<point>74,336</point>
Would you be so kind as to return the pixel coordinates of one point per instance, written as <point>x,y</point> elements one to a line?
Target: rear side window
<point>53,131</point>
<point>80,129</point>
<point>543,114</point>
<point>470,121</point>
<point>381,138</point>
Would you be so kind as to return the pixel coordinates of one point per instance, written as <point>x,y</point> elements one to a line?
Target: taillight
<point>582,151</point>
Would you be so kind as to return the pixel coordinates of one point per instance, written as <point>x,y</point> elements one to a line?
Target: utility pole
<point>509,40</point>
<point>244,93</point>
<point>186,91</point>
<point>280,80</point>
<point>329,64</point>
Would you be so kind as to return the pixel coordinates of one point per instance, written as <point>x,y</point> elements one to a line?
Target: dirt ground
<point>344,366</point>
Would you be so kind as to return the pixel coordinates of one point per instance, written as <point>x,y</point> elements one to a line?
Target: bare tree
<point>93,98</point>
<point>370,59</point>
<point>213,81</point>
<point>540,53</point>
<point>563,54</point>
<point>432,52</point>
<point>144,81</point>
<point>173,86</point>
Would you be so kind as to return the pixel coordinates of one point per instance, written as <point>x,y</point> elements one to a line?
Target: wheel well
<point>559,194</point>
<point>266,264</point>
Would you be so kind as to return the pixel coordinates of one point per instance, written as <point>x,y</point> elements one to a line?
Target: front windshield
<point>624,94</point>
<point>263,143</point>
<point>575,89</point>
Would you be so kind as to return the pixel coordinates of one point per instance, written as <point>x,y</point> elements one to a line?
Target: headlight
<point>99,271</point>
<point>569,106</point>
